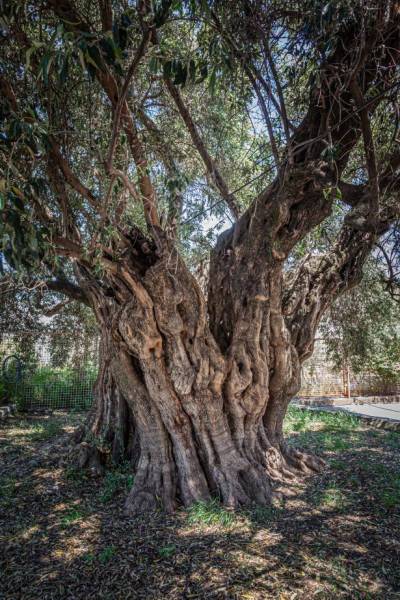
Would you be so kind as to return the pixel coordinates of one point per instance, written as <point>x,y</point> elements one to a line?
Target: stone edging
<point>340,400</point>
<point>7,411</point>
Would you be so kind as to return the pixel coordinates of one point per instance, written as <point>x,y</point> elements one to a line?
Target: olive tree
<point>122,122</point>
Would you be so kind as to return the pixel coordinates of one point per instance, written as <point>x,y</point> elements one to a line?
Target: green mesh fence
<point>53,370</point>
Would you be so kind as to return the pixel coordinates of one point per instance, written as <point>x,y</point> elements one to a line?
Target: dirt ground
<point>63,535</point>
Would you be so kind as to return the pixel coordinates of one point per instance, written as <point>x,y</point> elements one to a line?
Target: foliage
<point>55,357</point>
<point>300,420</point>
<point>46,55</point>
<point>53,388</point>
<point>361,329</point>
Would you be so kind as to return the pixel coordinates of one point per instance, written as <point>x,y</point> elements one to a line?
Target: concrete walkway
<point>377,410</point>
<point>378,414</point>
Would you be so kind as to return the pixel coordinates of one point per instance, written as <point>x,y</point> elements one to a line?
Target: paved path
<point>379,410</point>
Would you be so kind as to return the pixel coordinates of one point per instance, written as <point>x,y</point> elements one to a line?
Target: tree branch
<point>71,178</point>
<point>319,280</point>
<point>267,118</point>
<point>202,150</point>
<point>368,148</point>
<point>123,94</point>
<point>105,7</point>
<point>67,13</point>
<point>66,287</point>
<point>167,157</point>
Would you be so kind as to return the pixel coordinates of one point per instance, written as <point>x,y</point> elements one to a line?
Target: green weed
<point>332,498</point>
<point>75,474</point>
<point>40,432</point>
<point>115,482</point>
<point>210,513</point>
<point>389,495</point>
<point>106,554</point>
<point>71,516</point>
<point>167,551</point>
<point>8,490</point>
<point>303,419</point>
<point>263,515</point>
<point>89,558</point>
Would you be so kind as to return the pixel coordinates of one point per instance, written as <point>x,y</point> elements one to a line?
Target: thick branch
<point>71,178</point>
<point>319,280</point>
<point>368,148</point>
<point>66,287</point>
<point>105,7</point>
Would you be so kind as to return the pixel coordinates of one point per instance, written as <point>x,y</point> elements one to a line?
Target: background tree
<point>123,124</point>
<point>361,330</point>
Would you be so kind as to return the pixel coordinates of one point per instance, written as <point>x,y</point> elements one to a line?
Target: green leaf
<point>212,81</point>
<point>28,55</point>
<point>192,70</point>
<point>154,64</point>
<point>45,65</point>
<point>181,73</point>
<point>89,60</point>
<point>63,72</point>
<point>167,69</point>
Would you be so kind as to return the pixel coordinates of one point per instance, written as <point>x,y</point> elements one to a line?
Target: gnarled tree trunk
<point>208,414</point>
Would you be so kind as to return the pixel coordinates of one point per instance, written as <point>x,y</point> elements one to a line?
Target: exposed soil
<point>63,535</point>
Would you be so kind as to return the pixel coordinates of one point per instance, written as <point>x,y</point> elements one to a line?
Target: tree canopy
<point>213,91</point>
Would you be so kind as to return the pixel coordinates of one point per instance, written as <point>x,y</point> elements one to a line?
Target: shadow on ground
<point>64,535</point>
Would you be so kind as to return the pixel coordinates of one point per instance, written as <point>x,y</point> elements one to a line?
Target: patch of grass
<point>263,515</point>
<point>89,558</point>
<point>303,419</point>
<point>332,498</point>
<point>40,432</point>
<point>336,442</point>
<point>106,554</point>
<point>75,474</point>
<point>391,498</point>
<point>393,440</point>
<point>338,465</point>
<point>71,516</point>
<point>210,513</point>
<point>167,551</point>
<point>115,482</point>
<point>389,495</point>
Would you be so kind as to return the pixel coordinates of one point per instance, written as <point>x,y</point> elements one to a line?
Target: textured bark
<point>109,433</point>
<point>208,418</point>
<point>208,379</point>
